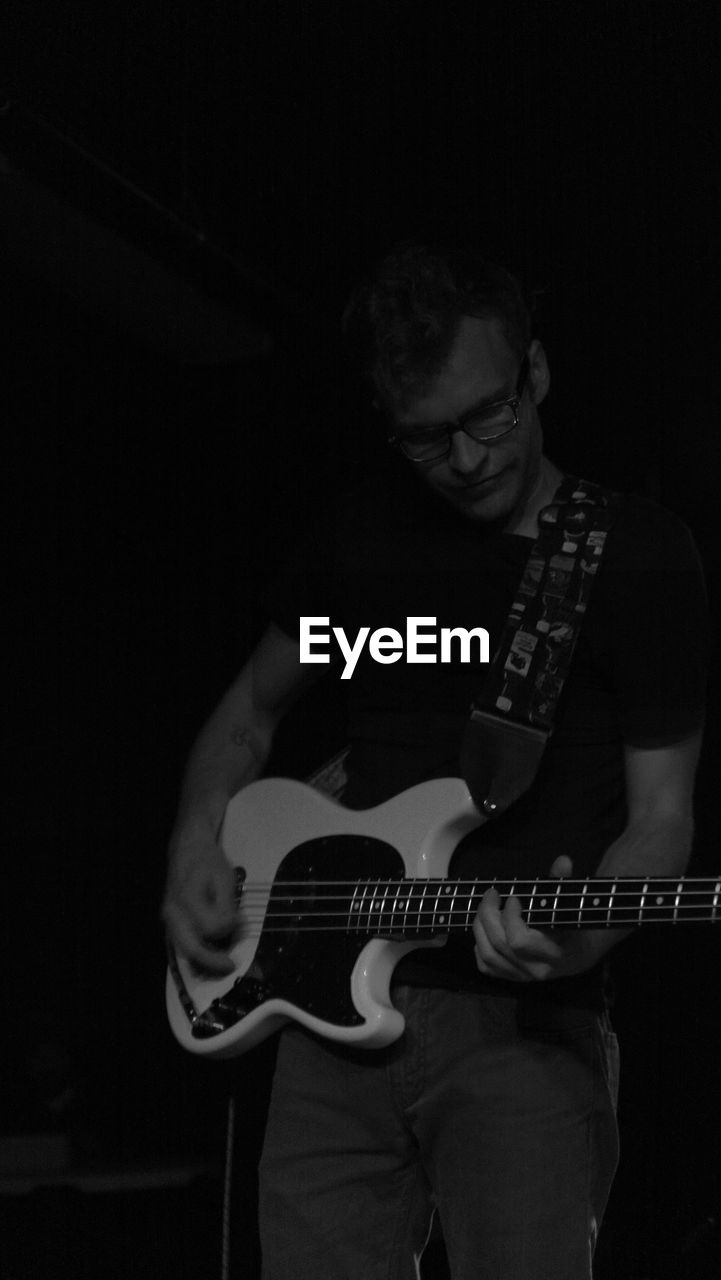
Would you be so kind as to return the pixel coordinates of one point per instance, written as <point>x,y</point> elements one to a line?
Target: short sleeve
<point>304,587</point>
<point>658,626</point>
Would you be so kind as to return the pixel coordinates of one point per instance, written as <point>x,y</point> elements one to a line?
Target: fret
<point>410,886</point>
<point>656,908</point>
<point>373,908</point>
<point>610,905</point>
<point>359,904</point>
<point>461,902</point>
<point>531,905</point>
<point>374,917</point>
<point>597,906</point>
<point>363,925</point>
<point>569,903</point>
<point>545,907</point>
<point>440,889</point>
<point>413,891</point>
<point>369,900</point>
<point>471,908</point>
<point>677,903</point>
<point>423,906</point>
<point>631,902</point>
<point>584,891</point>
<point>445,889</point>
<point>542,910</point>
<point>378,905</point>
<point>554,909</point>
<point>715,905</point>
<point>354,909</point>
<point>397,906</point>
<point>384,926</point>
<point>414,894</point>
<point>511,888</point>
<point>454,902</point>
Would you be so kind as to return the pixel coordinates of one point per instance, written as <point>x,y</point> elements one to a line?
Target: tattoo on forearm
<point>244,738</point>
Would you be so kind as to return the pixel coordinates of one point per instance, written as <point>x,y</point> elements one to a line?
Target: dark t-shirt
<point>390,550</point>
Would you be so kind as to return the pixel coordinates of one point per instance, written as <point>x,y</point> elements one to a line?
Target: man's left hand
<point>506,948</point>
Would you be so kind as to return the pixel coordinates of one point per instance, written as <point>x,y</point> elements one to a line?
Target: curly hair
<point>400,323</point>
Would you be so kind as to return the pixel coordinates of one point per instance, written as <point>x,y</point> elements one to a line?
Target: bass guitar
<point>329,899</point>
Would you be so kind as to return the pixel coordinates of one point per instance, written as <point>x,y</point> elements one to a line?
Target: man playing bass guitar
<point>496,1105</point>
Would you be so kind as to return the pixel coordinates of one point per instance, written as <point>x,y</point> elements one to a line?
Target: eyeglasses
<point>486,425</point>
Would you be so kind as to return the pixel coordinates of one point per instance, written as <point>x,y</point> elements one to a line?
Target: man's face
<point>489,482</point>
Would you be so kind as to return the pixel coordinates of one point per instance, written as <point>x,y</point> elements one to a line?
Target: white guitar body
<point>263,824</point>
<point>331,898</point>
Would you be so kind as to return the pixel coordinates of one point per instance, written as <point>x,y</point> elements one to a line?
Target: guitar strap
<point>512,718</point>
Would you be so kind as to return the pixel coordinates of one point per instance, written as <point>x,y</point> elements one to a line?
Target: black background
<point>150,496</point>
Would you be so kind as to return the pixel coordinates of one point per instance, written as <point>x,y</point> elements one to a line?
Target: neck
<point>548,478</point>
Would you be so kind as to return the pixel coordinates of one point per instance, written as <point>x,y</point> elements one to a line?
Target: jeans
<point>497,1111</point>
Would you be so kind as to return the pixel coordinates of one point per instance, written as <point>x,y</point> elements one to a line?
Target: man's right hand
<point>199,906</point>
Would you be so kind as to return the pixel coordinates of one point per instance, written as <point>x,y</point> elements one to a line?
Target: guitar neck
<point>440,906</point>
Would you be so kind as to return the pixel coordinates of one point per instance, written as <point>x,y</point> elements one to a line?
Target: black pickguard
<point>308,967</point>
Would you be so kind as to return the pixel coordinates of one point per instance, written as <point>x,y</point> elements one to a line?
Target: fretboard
<point>440,906</point>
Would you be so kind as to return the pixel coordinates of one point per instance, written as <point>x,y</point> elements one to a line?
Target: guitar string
<point>338,905</point>
<point>430,919</point>
<point>691,882</point>
<point>460,908</point>
<point>376,911</point>
<point>375,897</point>
<point>376,929</point>
<point>548,888</point>
<point>394,902</point>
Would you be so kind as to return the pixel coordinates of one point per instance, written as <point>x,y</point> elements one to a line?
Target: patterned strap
<point>513,716</point>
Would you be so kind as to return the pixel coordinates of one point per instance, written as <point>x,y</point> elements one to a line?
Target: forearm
<point>658,835</point>
<point>230,751</point>
<point>655,842</point>
<point>653,846</point>
<point>199,906</point>
<point>657,845</point>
